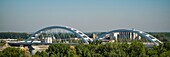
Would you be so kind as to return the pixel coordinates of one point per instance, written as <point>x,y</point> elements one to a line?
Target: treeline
<point>163,36</point>
<point>13,35</point>
<point>135,49</point>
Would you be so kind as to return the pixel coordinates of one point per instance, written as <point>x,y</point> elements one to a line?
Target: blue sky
<point>85,15</point>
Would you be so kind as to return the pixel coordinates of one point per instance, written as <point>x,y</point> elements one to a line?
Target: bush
<point>135,49</point>
<point>12,52</point>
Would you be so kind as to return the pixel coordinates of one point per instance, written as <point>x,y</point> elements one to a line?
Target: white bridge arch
<point>149,37</point>
<point>81,35</point>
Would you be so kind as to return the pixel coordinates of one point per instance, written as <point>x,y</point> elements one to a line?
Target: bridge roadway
<point>28,44</point>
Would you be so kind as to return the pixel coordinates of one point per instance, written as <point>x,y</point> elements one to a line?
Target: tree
<point>137,49</point>
<point>159,49</point>
<point>58,49</point>
<point>167,45</point>
<point>12,52</point>
<point>41,54</point>
<point>165,54</point>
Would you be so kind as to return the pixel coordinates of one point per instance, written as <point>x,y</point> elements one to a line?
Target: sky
<point>85,15</point>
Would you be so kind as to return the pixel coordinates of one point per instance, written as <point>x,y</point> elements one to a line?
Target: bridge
<point>55,35</point>
<point>68,35</point>
<point>128,35</point>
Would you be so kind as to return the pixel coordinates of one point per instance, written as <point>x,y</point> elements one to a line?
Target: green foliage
<point>41,54</point>
<point>135,49</point>
<point>165,54</point>
<point>60,50</point>
<point>163,36</point>
<point>159,51</point>
<point>13,35</point>
<point>167,45</point>
<point>12,52</point>
<point>2,42</point>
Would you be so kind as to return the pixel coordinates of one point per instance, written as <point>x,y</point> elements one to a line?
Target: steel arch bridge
<point>149,37</point>
<point>80,34</point>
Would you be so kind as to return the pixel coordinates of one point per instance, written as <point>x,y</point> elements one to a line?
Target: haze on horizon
<point>85,15</point>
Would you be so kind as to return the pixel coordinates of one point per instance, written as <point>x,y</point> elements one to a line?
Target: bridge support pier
<point>31,49</point>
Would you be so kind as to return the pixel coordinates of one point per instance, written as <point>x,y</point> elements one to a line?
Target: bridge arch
<point>149,37</point>
<point>80,34</point>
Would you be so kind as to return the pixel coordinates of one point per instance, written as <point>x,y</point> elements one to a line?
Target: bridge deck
<point>28,44</point>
